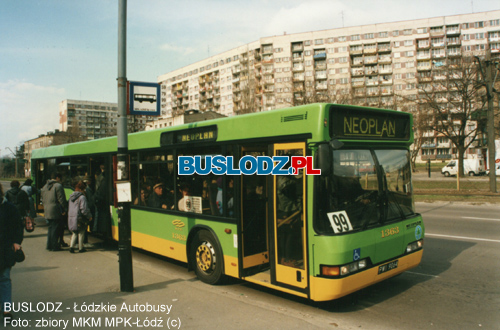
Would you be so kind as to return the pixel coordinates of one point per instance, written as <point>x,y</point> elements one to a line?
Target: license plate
<point>387,267</point>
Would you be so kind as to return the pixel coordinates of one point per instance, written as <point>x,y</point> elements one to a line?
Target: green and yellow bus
<point>319,237</point>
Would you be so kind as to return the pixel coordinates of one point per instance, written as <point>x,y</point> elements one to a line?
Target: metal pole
<point>490,125</point>
<point>124,225</point>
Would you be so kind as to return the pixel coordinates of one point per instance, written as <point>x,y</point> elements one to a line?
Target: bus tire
<point>206,258</point>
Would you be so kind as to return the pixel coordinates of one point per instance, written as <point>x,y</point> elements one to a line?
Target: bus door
<point>254,226</point>
<point>290,258</point>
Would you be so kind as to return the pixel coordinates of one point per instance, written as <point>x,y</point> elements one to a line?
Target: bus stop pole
<point>124,223</point>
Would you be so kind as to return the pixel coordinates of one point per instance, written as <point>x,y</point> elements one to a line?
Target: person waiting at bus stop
<point>11,237</point>
<point>79,216</point>
<point>55,208</point>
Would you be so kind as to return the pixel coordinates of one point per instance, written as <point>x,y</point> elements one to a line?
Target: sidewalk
<point>60,290</point>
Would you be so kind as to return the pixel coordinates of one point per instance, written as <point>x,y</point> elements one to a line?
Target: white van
<point>497,171</point>
<point>471,167</point>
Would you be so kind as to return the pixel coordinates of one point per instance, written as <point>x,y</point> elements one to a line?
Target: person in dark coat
<point>19,198</point>
<point>158,200</point>
<point>11,237</point>
<point>31,191</point>
<point>55,208</point>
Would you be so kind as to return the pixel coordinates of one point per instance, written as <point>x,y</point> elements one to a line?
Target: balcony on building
<point>442,145</point>
<point>357,61</point>
<point>299,47</point>
<point>321,87</point>
<point>372,91</point>
<point>424,66</point>
<point>384,69</point>
<point>423,55</point>
<point>321,75</point>
<point>423,43</point>
<point>320,65</point>
<point>385,59</point>
<point>371,59</point>
<point>437,31</point>
<point>370,49</point>
<point>384,47</point>
<point>267,49</point>
<point>319,55</point>
<point>386,80</point>
<point>297,57</point>
<point>452,30</point>
<point>371,70</point>
<point>371,81</point>
<point>386,90</point>
<point>358,82</point>
<point>298,68</point>
<point>357,72</point>
<point>437,42</point>
<point>454,52</point>
<point>356,50</point>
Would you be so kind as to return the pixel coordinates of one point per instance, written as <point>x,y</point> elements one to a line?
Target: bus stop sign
<point>144,98</point>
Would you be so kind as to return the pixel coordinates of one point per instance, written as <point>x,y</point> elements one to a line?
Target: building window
<point>355,37</point>
<point>479,24</point>
<point>383,34</point>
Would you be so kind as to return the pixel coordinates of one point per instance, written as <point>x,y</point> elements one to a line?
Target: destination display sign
<point>369,123</point>
<point>200,134</point>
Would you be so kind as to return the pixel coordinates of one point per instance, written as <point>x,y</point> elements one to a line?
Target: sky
<point>52,50</point>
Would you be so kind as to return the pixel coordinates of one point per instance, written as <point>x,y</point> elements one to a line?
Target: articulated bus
<point>319,236</point>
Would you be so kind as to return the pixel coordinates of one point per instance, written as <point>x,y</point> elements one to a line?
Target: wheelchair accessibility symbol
<point>356,254</point>
<point>418,232</point>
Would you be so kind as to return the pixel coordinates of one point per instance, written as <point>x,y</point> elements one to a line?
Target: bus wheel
<point>206,257</point>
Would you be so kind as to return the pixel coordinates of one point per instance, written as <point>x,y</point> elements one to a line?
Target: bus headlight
<point>414,246</point>
<point>335,271</point>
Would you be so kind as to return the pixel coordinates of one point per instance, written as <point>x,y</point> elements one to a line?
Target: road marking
<point>488,219</point>
<point>463,237</point>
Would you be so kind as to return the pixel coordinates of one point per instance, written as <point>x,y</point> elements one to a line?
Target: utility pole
<point>124,223</point>
<point>490,125</point>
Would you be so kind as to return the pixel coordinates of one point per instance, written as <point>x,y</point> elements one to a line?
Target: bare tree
<point>453,101</point>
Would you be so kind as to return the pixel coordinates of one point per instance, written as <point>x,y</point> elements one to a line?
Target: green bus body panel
<point>161,225</point>
<point>340,251</point>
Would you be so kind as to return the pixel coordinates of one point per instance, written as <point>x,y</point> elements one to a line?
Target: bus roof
<point>306,119</point>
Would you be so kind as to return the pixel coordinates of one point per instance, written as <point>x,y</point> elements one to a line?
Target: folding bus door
<point>289,222</point>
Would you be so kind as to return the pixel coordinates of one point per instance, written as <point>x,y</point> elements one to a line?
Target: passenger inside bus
<point>184,201</point>
<point>160,200</point>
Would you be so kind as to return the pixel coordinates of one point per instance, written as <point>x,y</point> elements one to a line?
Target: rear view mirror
<point>325,158</point>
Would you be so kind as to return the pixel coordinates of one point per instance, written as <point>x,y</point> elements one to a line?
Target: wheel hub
<point>205,256</point>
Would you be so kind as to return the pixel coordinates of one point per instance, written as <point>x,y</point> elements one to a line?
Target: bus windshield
<point>365,188</point>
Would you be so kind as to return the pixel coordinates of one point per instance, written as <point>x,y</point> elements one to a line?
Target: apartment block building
<point>370,64</point>
<point>93,120</point>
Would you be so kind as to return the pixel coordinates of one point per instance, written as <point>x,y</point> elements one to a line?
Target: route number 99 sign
<point>340,222</point>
